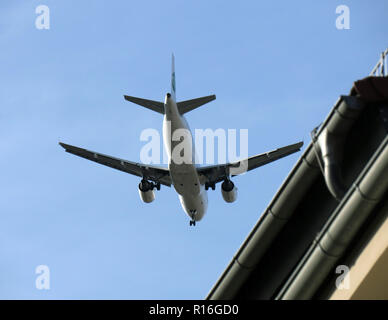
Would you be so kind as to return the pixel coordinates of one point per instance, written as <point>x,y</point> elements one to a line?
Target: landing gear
<point>210,185</point>
<point>192,221</point>
<point>146,185</point>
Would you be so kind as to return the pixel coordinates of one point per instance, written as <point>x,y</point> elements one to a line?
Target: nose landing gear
<point>192,221</point>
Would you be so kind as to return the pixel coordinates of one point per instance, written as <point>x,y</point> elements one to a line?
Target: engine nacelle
<point>229,191</point>
<point>146,191</point>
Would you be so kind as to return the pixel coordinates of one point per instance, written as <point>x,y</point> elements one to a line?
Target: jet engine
<point>229,191</point>
<point>146,191</point>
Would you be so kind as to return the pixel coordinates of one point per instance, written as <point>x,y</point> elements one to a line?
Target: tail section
<point>149,104</point>
<point>173,84</point>
<point>183,106</point>
<point>188,105</point>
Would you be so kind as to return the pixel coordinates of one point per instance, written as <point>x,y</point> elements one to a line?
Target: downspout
<point>359,202</point>
<point>331,141</point>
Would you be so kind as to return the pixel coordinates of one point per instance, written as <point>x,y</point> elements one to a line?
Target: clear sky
<point>277,67</point>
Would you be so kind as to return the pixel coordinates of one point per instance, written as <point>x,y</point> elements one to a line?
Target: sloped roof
<point>305,231</point>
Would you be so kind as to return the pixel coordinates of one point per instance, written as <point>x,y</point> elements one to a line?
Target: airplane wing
<point>217,173</point>
<point>150,172</point>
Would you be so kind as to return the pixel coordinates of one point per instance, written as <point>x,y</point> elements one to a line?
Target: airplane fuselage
<point>184,175</point>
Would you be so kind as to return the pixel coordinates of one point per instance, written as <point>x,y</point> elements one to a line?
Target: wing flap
<point>264,158</point>
<point>217,173</point>
<point>154,173</point>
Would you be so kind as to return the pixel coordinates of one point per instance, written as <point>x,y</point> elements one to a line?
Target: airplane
<point>190,180</point>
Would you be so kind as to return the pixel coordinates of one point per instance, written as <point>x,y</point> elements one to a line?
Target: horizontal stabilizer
<point>149,104</point>
<point>188,105</point>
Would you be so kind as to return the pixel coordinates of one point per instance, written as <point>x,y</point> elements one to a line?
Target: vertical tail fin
<point>173,85</point>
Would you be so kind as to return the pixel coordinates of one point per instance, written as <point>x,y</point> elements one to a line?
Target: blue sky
<point>277,68</point>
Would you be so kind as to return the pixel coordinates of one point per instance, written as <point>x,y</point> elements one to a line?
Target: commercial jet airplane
<point>190,181</point>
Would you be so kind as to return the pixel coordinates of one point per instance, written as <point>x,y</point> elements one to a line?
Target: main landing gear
<point>192,221</point>
<point>210,185</point>
<point>146,185</point>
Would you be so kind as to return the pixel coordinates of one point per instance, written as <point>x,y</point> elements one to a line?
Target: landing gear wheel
<point>211,185</point>
<point>192,222</point>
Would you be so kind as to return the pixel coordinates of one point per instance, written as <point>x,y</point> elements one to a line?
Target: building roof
<point>323,207</point>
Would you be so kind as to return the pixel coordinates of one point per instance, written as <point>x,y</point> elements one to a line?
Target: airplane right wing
<point>217,173</point>
<point>149,172</point>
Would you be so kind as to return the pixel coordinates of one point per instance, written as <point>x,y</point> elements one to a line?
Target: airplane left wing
<point>217,173</point>
<point>149,172</point>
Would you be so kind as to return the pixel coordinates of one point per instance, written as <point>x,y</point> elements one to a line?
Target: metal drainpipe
<point>331,142</point>
<point>331,147</point>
